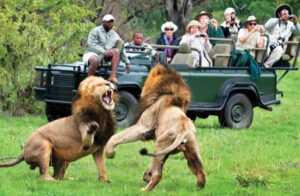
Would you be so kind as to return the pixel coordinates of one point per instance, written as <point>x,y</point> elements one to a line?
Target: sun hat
<point>108,17</point>
<point>192,23</point>
<point>202,13</point>
<point>169,24</point>
<point>250,19</point>
<point>282,7</point>
<point>229,10</point>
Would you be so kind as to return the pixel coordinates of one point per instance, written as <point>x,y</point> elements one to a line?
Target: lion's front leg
<point>100,163</point>
<point>88,131</point>
<point>131,134</point>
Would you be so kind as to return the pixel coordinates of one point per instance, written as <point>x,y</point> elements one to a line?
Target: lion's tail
<point>180,139</point>
<point>13,162</point>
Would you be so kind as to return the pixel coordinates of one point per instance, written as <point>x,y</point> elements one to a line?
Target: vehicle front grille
<point>61,87</point>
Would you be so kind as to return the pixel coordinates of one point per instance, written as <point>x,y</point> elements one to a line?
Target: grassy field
<point>262,160</point>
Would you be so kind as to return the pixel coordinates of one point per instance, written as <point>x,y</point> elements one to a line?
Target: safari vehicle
<point>227,92</point>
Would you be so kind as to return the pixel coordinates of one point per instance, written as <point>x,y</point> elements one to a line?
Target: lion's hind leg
<point>153,175</point>
<point>37,153</point>
<point>191,153</point>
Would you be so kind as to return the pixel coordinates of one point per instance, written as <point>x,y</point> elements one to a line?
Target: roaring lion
<point>164,101</point>
<point>67,139</point>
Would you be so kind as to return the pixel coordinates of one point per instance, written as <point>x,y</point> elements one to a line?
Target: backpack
<point>242,58</point>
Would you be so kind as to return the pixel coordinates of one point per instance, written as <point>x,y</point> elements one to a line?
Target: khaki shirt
<point>99,40</point>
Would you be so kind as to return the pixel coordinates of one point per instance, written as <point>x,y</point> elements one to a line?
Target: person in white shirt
<point>199,43</point>
<point>280,30</point>
<point>138,45</point>
<point>231,24</point>
<point>250,36</point>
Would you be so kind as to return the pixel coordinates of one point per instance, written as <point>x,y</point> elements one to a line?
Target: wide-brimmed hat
<point>192,23</point>
<point>229,10</point>
<point>108,17</point>
<point>169,24</point>
<point>250,19</point>
<point>202,13</point>
<point>282,7</point>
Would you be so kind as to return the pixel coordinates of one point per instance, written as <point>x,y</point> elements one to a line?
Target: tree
<point>178,11</point>
<point>36,33</point>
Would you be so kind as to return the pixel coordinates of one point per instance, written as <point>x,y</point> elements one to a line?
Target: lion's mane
<point>163,80</point>
<point>86,108</point>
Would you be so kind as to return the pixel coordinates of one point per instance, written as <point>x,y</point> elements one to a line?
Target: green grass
<point>262,160</point>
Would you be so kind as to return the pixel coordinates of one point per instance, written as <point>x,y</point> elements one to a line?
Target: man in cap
<point>231,25</point>
<point>104,42</point>
<point>280,30</point>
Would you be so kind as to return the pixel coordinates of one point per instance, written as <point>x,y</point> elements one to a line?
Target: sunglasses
<point>169,29</point>
<point>252,23</point>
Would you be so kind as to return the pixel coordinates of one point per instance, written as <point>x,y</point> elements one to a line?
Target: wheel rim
<point>237,113</point>
<point>121,111</point>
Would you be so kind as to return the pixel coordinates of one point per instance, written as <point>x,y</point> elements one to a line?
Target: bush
<point>36,33</point>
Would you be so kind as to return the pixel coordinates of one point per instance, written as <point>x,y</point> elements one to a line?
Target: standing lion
<point>67,139</point>
<point>164,100</point>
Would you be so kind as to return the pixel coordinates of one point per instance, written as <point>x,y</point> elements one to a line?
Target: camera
<point>291,17</point>
<point>201,35</point>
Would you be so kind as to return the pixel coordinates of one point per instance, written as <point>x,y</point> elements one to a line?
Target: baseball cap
<point>108,17</point>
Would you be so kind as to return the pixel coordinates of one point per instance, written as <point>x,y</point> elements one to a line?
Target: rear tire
<point>238,112</point>
<point>126,109</point>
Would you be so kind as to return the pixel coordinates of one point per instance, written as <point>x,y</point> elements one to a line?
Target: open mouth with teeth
<point>107,100</point>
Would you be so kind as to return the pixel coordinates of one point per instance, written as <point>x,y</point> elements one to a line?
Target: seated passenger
<point>199,44</point>
<point>103,43</point>
<point>250,36</point>
<point>209,25</point>
<point>280,30</point>
<point>168,37</point>
<point>231,25</point>
<point>138,45</point>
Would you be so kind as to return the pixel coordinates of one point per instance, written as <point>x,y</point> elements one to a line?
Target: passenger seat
<point>220,54</point>
<point>183,56</point>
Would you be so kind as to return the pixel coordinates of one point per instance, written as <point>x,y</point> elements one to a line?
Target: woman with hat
<point>250,36</point>
<point>280,29</point>
<point>168,37</point>
<point>199,44</point>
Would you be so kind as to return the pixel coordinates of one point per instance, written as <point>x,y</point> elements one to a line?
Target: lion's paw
<point>110,154</point>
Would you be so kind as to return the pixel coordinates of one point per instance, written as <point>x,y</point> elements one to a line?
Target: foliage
<point>36,32</point>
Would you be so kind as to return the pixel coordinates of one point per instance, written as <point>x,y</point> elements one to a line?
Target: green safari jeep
<point>227,92</point>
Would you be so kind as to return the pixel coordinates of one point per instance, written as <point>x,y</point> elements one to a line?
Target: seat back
<point>221,54</point>
<point>183,56</point>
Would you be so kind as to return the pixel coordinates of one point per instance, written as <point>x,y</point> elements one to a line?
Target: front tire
<point>126,109</point>
<point>238,112</point>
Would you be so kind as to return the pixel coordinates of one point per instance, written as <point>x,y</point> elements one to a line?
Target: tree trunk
<point>178,11</point>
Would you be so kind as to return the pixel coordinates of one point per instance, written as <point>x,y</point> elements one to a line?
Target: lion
<point>162,116</point>
<point>67,139</point>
